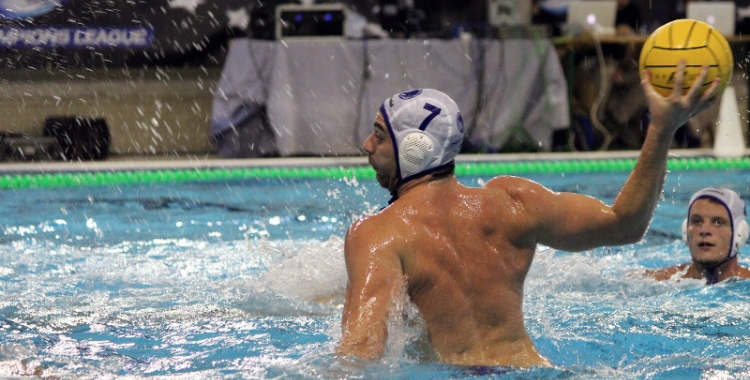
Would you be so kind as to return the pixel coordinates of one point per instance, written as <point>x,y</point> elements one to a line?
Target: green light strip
<point>74,179</point>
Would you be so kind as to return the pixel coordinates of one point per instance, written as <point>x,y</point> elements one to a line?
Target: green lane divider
<point>100,178</point>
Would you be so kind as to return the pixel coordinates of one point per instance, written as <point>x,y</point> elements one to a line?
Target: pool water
<point>245,279</point>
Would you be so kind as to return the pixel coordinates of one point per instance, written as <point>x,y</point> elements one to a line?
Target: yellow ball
<point>694,41</point>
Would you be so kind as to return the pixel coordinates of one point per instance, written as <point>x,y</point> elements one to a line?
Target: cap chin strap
<point>712,277</point>
<point>402,182</point>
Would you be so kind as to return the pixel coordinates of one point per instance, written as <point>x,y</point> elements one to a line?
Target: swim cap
<point>427,131</point>
<point>737,214</point>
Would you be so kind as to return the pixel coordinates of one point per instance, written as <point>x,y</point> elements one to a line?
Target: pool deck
<point>115,163</point>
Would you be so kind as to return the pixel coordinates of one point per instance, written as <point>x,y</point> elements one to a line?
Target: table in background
<point>321,96</point>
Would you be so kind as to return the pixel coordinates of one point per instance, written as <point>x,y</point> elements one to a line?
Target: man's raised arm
<point>577,222</point>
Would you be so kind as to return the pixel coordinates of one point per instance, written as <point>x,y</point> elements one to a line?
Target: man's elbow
<point>631,236</point>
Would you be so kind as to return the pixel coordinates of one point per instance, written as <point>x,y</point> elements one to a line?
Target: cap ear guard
<point>741,235</point>
<point>684,231</point>
<point>416,152</point>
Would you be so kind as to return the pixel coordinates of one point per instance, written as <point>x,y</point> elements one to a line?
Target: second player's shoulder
<point>666,273</point>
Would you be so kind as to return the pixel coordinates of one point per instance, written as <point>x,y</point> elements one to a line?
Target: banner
<point>76,33</point>
<point>77,37</point>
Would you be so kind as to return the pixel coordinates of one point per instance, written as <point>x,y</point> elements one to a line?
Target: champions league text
<point>76,37</point>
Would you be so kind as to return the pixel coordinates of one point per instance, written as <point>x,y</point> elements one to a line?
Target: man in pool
<point>715,230</point>
<point>462,254</point>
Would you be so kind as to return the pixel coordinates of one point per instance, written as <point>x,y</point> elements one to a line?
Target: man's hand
<point>669,113</point>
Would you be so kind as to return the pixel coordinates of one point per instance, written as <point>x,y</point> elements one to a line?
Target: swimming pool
<point>243,278</point>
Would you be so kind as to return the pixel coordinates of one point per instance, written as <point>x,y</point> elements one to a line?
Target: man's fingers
<point>708,100</point>
<point>679,79</point>
<point>695,89</point>
<point>711,91</point>
<point>646,84</point>
<point>646,77</point>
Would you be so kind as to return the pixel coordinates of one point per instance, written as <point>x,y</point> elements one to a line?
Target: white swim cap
<point>737,214</point>
<point>427,131</point>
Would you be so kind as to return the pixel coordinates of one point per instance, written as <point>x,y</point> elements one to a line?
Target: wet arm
<point>639,197</point>
<point>578,222</point>
<point>374,278</point>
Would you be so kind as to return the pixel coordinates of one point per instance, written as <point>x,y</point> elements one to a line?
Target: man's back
<point>465,264</point>
<point>464,253</point>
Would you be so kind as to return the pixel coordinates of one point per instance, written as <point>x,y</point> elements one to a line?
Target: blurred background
<point>105,79</point>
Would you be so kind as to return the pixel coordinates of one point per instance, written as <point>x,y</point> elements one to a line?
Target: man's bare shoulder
<point>374,242</point>
<point>380,226</point>
<point>662,274</point>
<point>512,184</point>
<point>518,188</point>
<point>507,181</point>
<point>368,223</point>
<point>743,272</point>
